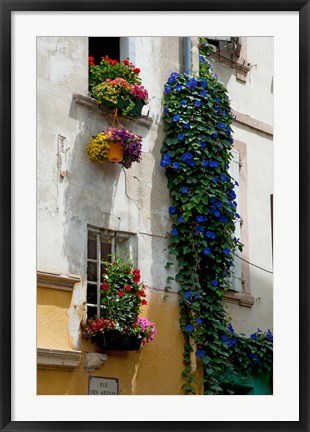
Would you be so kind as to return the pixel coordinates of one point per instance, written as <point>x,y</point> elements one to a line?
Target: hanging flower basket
<point>116,152</point>
<point>117,144</point>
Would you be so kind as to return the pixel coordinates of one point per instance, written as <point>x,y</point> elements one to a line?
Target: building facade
<point>81,203</point>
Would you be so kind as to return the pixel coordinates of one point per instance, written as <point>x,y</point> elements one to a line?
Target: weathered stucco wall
<point>254,98</point>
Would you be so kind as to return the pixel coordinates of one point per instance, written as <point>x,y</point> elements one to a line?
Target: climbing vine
<point>195,155</point>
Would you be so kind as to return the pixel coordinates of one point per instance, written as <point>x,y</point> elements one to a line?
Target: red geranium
<point>143,302</point>
<point>128,287</point>
<point>105,287</point>
<point>136,276</point>
<point>120,293</point>
<point>136,70</point>
<point>126,62</point>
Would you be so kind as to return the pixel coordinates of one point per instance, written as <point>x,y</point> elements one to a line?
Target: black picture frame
<point>7,7</point>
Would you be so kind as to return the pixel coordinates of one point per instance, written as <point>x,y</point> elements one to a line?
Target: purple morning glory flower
<point>213,164</point>
<point>203,144</point>
<point>167,89</point>
<point>253,336</point>
<point>172,210</point>
<point>178,88</point>
<point>206,251</point>
<point>224,338</point>
<point>226,251</point>
<point>201,218</point>
<point>181,219</point>
<point>187,126</point>
<point>197,103</point>
<point>183,102</point>
<point>204,163</point>
<point>203,93</point>
<point>230,328</point>
<point>199,321</point>
<point>214,283</point>
<point>200,353</point>
<point>210,234</point>
<point>217,213</point>
<point>189,328</point>
<point>184,189</point>
<point>176,165</point>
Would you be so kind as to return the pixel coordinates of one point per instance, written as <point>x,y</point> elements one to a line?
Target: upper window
<point>104,46</point>
<point>103,245</point>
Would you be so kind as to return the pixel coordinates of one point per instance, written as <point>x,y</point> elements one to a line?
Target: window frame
<point>115,237</point>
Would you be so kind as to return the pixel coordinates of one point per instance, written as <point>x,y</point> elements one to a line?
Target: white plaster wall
<point>255,97</point>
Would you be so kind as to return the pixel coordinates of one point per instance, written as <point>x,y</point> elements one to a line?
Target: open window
<point>102,247</point>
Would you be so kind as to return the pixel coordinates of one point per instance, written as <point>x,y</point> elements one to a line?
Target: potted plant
<point>117,85</point>
<point>119,326</point>
<point>117,144</point>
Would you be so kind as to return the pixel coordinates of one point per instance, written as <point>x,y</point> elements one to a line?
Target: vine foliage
<point>195,155</point>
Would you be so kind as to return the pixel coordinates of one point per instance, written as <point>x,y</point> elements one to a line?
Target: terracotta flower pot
<point>116,152</point>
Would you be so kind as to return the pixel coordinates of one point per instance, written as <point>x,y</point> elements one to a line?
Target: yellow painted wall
<point>155,370</point>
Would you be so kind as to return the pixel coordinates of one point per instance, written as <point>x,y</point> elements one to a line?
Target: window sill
<point>242,299</point>
<point>56,281</point>
<point>91,103</point>
<point>48,358</point>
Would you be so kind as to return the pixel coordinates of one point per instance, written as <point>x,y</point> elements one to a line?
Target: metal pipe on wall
<point>187,55</point>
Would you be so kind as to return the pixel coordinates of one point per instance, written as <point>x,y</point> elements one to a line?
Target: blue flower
<point>232,194</point>
<point>200,353</point>
<point>172,210</point>
<point>223,219</point>
<point>183,102</point>
<point>188,158</point>
<point>197,103</point>
<point>213,164</point>
<point>216,100</point>
<point>199,321</point>
<point>253,336</point>
<point>202,144</point>
<point>178,88</point>
<point>224,177</point>
<point>237,215</point>
<point>176,117</point>
<point>224,338</point>
<point>210,234</point>
<point>201,218</point>
<point>167,89</point>
<point>191,84</point>
<point>174,232</point>
<point>165,109</point>
<point>203,93</point>
<point>232,342</point>
<point>184,189</point>
<point>214,282</point>
<point>187,125</point>
<point>226,251</point>
<point>217,213</point>
<point>218,204</point>
<point>231,141</point>
<point>221,125</point>
<point>204,163</point>
<point>176,165</point>
<point>203,83</point>
<point>206,251</point>
<point>166,160</point>
<point>255,357</point>
<point>187,294</point>
<point>214,135</point>
<point>212,199</point>
<point>230,328</point>
<point>214,179</point>
<point>189,328</point>
<point>199,229</point>
<point>202,59</point>
<point>236,183</point>
<point>192,163</point>
<point>181,219</point>
<point>269,336</point>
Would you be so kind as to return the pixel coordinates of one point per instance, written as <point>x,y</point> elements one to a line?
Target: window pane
<point>106,250</point>
<point>92,294</point>
<point>92,249</point>
<point>91,312</point>
<point>92,272</point>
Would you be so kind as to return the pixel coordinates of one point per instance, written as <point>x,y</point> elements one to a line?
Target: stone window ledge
<point>242,299</point>
<point>91,103</point>
<point>57,281</point>
<point>48,358</point>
